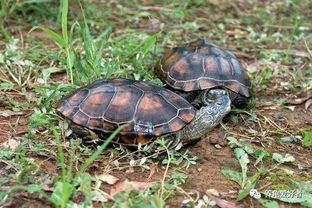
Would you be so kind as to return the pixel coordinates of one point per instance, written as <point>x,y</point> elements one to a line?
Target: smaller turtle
<point>200,66</point>
<point>149,110</point>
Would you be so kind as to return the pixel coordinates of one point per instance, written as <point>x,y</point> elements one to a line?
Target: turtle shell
<point>202,65</point>
<point>149,110</point>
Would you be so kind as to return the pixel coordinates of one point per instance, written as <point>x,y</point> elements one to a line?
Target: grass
<point>95,40</point>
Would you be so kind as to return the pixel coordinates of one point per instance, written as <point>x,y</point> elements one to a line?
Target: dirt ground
<point>213,152</point>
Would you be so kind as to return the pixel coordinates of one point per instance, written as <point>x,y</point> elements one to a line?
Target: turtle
<point>150,111</point>
<point>192,70</point>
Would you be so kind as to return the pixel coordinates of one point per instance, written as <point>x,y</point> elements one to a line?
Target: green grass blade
<point>64,20</point>
<point>149,43</point>
<point>62,193</point>
<point>88,41</point>
<point>99,150</point>
<point>53,35</point>
<point>60,153</point>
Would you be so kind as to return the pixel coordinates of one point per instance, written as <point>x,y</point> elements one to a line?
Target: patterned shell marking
<point>202,65</point>
<point>106,104</point>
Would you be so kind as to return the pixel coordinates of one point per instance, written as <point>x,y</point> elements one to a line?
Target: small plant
<point>248,184</point>
<point>15,69</point>
<point>6,9</point>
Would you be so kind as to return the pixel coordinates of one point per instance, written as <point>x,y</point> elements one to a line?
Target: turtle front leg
<point>200,99</point>
<point>238,100</point>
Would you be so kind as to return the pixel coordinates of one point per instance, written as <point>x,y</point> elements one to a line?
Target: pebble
<point>218,146</point>
<point>291,139</point>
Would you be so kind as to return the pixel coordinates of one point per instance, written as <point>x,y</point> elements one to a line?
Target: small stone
<point>288,171</point>
<point>200,204</point>
<point>218,146</point>
<point>11,143</point>
<point>213,140</point>
<point>130,170</point>
<point>291,139</point>
<point>116,163</point>
<point>218,139</point>
<point>212,192</point>
<point>186,201</point>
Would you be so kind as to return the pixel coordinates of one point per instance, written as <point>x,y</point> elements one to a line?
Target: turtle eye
<point>211,96</point>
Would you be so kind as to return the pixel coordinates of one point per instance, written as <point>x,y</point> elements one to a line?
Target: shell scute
<point>211,66</point>
<point>95,123</point>
<point>175,100</point>
<point>95,104</point>
<point>186,114</point>
<point>123,105</point>
<point>78,97</point>
<point>151,105</point>
<point>81,118</point>
<point>176,124</point>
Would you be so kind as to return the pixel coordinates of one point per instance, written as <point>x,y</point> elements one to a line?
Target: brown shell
<point>106,104</point>
<point>202,65</point>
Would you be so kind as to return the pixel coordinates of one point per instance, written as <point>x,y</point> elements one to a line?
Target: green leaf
<point>250,184</point>
<point>53,35</point>
<point>243,160</point>
<point>307,138</point>
<point>268,203</point>
<point>304,199</point>
<point>243,193</point>
<point>281,159</point>
<point>85,186</point>
<point>85,181</point>
<point>5,86</point>
<point>303,186</point>
<point>34,188</point>
<point>62,193</point>
<point>149,44</point>
<point>157,202</point>
<point>249,149</point>
<point>233,175</point>
<point>260,154</point>
<point>48,71</point>
<point>233,142</point>
<point>39,120</point>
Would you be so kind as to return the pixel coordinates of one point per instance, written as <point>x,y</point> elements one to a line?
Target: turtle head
<point>217,106</point>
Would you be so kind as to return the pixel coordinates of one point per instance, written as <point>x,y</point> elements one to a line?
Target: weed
<point>248,184</point>
<point>307,138</point>
<point>6,9</point>
<point>15,69</point>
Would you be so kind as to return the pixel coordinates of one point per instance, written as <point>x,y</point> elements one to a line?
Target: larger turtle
<point>200,66</point>
<point>151,111</point>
